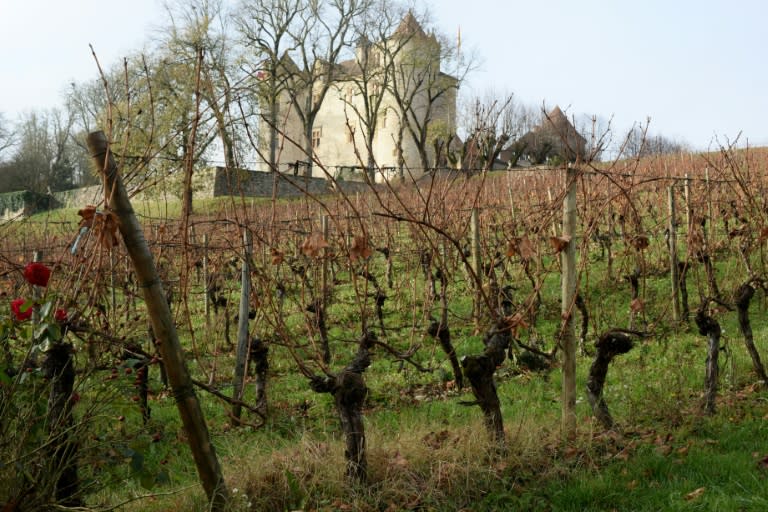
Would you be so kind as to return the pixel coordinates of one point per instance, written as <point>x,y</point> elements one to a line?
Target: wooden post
<point>242,325</point>
<point>688,205</point>
<point>672,241</point>
<point>476,263</point>
<point>324,276</point>
<point>163,327</point>
<point>568,335</point>
<point>113,286</point>
<point>710,218</point>
<point>206,284</point>
<point>37,257</point>
<point>554,221</point>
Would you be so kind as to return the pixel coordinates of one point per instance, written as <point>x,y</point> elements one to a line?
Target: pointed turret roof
<point>410,26</point>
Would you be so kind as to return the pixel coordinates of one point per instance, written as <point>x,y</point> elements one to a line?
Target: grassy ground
<point>428,451</point>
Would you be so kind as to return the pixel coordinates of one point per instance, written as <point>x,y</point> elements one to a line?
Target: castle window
<point>316,134</point>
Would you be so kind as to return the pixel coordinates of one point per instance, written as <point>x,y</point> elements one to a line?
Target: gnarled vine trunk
<point>609,345</point>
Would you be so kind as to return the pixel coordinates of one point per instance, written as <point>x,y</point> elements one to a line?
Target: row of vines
<point>327,286</point>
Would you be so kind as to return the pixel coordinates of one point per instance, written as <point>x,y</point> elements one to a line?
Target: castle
<point>379,115</point>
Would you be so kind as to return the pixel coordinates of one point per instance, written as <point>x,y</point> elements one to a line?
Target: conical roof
<point>410,27</point>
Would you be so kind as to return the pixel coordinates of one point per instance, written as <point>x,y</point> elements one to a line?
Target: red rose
<point>18,313</point>
<point>37,274</point>
<point>60,316</point>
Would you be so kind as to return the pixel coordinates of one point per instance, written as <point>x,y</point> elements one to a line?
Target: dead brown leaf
<point>360,249</point>
<point>695,494</point>
<point>521,246</point>
<point>636,306</point>
<point>639,242</point>
<point>314,245</point>
<point>277,256</point>
<point>104,224</point>
<point>559,243</point>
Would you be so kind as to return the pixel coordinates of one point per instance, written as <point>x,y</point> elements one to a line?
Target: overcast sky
<point>695,67</point>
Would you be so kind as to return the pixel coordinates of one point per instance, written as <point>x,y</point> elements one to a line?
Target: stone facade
<point>345,115</point>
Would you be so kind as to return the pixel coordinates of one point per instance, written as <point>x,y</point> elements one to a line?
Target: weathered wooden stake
<point>324,276</point>
<point>163,327</point>
<point>207,303</point>
<point>476,263</point>
<point>242,326</point>
<point>673,269</point>
<point>568,333</point>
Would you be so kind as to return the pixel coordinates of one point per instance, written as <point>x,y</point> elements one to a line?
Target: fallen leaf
<point>695,494</point>
<point>636,306</point>
<point>313,245</point>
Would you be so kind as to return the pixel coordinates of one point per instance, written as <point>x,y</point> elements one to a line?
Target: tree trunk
<point>243,337</point>
<point>443,334</point>
<point>317,310</point>
<point>711,279</point>
<point>582,307</point>
<point>58,367</point>
<point>260,357</point>
<point>609,345</point>
<point>162,324</point>
<point>479,370</point>
<point>743,297</point>
<point>709,327</point>
<point>349,391</point>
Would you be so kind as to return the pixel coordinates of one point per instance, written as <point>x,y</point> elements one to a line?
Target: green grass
<point>428,451</point>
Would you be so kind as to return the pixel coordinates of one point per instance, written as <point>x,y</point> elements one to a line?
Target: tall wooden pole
<point>242,324</point>
<point>673,270</point>
<point>476,263</point>
<point>206,284</point>
<point>568,335</point>
<point>167,339</point>
<point>324,277</point>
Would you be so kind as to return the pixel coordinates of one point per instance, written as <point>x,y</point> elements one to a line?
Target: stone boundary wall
<point>79,197</point>
<point>260,184</point>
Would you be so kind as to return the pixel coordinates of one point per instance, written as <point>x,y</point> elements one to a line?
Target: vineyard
<point>465,341</point>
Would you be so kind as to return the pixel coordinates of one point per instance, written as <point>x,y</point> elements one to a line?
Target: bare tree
<point>365,81</point>
<point>45,159</point>
<point>7,135</point>
<point>640,143</point>
<point>421,90</point>
<point>325,32</point>
<point>266,28</point>
<point>493,123</point>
